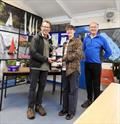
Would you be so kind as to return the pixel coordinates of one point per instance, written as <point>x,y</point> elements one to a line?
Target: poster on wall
<point>113,38</point>
<point>24,45</point>
<point>9,17</point>
<point>63,38</point>
<point>8,45</point>
<point>16,24</point>
<point>12,19</point>
<point>30,23</point>
<point>55,39</point>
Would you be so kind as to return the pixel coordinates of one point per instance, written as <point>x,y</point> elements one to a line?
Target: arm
<point>107,49</point>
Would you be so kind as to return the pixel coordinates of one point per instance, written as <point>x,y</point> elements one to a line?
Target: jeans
<point>40,78</point>
<point>70,91</point>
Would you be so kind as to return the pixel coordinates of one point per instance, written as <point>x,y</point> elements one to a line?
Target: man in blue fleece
<point>92,45</point>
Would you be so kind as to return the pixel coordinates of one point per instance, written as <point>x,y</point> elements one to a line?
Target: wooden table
<point>26,71</point>
<point>105,109</point>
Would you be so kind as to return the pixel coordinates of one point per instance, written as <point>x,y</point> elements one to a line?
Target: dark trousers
<point>92,76</point>
<point>70,91</point>
<point>35,96</point>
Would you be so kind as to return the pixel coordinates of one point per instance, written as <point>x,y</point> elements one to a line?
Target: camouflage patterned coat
<point>73,56</point>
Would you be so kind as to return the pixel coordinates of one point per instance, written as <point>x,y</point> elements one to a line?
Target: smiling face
<point>45,28</point>
<point>70,33</point>
<point>93,28</point>
<point>70,30</point>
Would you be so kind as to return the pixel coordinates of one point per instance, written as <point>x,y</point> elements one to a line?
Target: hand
<point>59,60</point>
<point>50,60</point>
<point>53,58</point>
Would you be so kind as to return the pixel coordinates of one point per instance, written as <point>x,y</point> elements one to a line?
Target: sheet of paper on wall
<point>7,38</point>
<point>63,39</point>
<point>59,51</point>
<point>55,39</point>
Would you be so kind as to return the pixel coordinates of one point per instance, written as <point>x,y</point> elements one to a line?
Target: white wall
<point>85,20</point>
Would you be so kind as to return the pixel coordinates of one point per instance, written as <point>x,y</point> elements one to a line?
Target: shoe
<point>30,113</point>
<point>62,112</point>
<point>86,104</point>
<point>40,110</point>
<point>69,116</point>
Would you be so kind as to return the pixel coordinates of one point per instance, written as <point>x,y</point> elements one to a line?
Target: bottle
<point>17,63</point>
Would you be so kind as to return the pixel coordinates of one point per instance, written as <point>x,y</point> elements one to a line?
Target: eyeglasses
<point>45,27</point>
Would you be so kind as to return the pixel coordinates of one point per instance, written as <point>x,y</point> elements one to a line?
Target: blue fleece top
<point>92,48</point>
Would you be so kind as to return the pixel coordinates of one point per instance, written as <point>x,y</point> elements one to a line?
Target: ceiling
<point>66,9</point>
<point>53,8</point>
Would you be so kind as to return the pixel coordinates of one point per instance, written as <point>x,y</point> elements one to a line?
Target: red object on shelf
<point>107,76</point>
<point>12,47</point>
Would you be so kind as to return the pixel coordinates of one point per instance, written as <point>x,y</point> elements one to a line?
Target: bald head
<point>94,23</point>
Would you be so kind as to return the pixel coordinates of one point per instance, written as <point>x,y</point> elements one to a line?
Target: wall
<point>81,19</point>
<point>85,20</point>
<point>20,4</point>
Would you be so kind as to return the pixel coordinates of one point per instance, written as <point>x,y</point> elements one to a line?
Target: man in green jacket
<point>39,66</point>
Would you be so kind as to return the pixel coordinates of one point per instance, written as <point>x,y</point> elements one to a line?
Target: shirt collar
<point>97,35</point>
<point>48,37</point>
